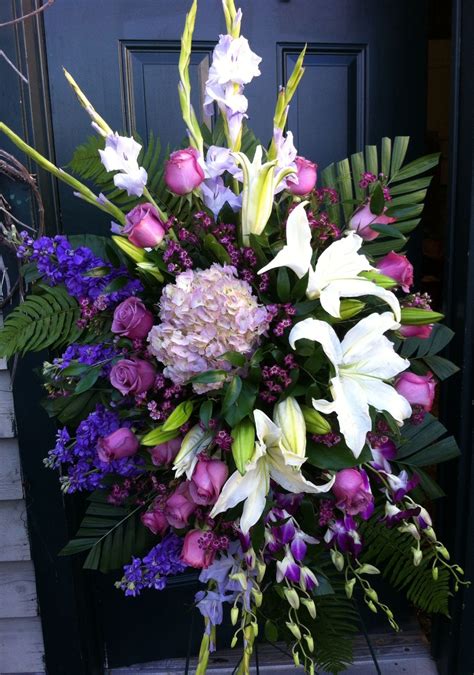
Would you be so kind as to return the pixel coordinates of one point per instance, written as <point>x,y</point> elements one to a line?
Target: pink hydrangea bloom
<point>203,315</point>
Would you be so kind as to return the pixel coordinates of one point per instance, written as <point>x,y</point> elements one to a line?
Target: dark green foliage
<point>390,551</point>
<point>425,444</point>
<point>46,320</point>
<point>424,352</point>
<point>112,535</point>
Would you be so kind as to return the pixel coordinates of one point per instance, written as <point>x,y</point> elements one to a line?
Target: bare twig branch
<point>12,65</point>
<point>44,6</point>
<point>14,169</point>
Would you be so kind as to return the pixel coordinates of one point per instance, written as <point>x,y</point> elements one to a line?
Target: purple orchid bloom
<point>401,484</point>
<point>345,535</point>
<point>288,568</point>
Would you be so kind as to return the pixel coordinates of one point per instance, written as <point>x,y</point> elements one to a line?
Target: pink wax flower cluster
<point>205,314</point>
<point>183,173</point>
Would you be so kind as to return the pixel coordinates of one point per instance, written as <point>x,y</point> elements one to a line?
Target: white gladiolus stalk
<point>337,268</point>
<point>260,181</point>
<point>272,459</point>
<point>362,362</point>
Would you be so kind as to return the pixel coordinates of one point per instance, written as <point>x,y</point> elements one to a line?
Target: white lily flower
<point>272,459</point>
<point>337,268</point>
<point>260,181</point>
<point>193,443</point>
<point>362,361</point>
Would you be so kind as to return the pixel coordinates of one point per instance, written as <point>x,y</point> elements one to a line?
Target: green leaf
<point>209,377</point>
<point>440,366</point>
<point>423,444</point>
<point>418,166</point>
<point>179,416</point>
<point>411,186</point>
<point>404,212</point>
<point>243,406</point>
<point>390,230</point>
<point>377,201</point>
<point>45,320</point>
<point>235,358</point>
<point>205,413</point>
<point>68,409</point>
<point>243,443</point>
<point>344,185</point>
<point>232,393</point>
<point>271,631</point>
<point>217,250</point>
<point>158,436</point>
<point>283,285</point>
<point>358,168</point>
<point>400,147</point>
<point>329,179</point>
<point>386,155</point>
<point>421,347</point>
<point>88,380</point>
<point>335,458</point>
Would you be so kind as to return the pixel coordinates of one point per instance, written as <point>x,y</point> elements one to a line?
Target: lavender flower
<point>121,154</point>
<point>89,355</point>
<point>162,561</point>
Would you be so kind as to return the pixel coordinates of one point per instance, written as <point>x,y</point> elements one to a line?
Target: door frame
<point>73,643</point>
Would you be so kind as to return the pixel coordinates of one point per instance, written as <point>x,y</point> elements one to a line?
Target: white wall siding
<point>21,638</point>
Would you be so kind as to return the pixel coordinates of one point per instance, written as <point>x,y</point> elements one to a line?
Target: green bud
<point>443,551</point>
<point>367,569</point>
<point>370,593</point>
<point>337,560</point>
<point>311,669</point>
<point>381,280</point>
<point>151,269</point>
<point>389,613</point>
<point>257,596</point>
<point>417,556</point>
<point>372,607</point>
<point>294,629</point>
<point>234,615</point>
<point>134,252</point>
<point>349,587</point>
<point>292,597</point>
<point>254,628</point>
<point>414,316</point>
<point>241,578</point>
<point>309,641</point>
<point>261,569</point>
<point>430,533</point>
<point>234,641</point>
<point>350,308</point>
<point>310,606</point>
<point>435,573</point>
<point>456,587</point>
<point>315,422</point>
<point>296,659</point>
<point>458,569</point>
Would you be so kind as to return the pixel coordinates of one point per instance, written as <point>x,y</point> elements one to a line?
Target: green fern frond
<point>390,551</point>
<point>48,320</point>
<point>112,535</point>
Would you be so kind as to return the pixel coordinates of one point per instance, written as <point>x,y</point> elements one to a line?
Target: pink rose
<point>422,332</point>
<point>363,218</point>
<point>399,268</point>
<point>183,173</point>
<point>195,553</point>
<point>179,506</point>
<point>208,478</point>
<point>165,453</point>
<point>132,319</point>
<point>306,175</point>
<point>132,376</point>
<point>353,493</point>
<point>155,521</point>
<point>143,226</point>
<point>118,444</point>
<point>417,389</point>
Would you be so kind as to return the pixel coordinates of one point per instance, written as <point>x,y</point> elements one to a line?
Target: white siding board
<point>10,470</point>
<point>14,544</point>
<point>7,416</point>
<point>17,590</point>
<point>21,646</point>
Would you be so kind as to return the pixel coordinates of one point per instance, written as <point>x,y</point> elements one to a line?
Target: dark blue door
<point>365,78</point>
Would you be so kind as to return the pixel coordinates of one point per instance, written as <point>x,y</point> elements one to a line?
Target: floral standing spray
<point>243,375</point>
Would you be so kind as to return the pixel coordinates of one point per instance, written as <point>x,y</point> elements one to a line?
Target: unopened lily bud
<point>443,551</point>
<point>435,573</point>
<point>337,560</point>
<point>309,641</point>
<point>315,422</point>
<point>294,629</point>
<point>370,593</point>
<point>310,606</point>
<point>367,569</point>
<point>257,596</point>
<point>292,597</point>
<point>234,615</point>
<point>350,308</point>
<point>417,556</point>
<point>372,607</point>
<point>349,587</point>
<point>289,417</point>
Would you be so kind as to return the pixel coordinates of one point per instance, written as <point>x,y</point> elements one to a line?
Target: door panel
<point>365,78</point>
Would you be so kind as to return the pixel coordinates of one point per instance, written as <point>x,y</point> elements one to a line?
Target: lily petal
<point>291,478</point>
<point>330,296</point>
<point>384,397</point>
<point>297,252</point>
<point>318,331</point>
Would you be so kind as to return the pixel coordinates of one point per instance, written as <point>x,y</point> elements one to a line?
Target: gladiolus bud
<point>349,587</point>
<point>417,556</point>
<point>294,629</point>
<point>292,597</point>
<point>337,560</point>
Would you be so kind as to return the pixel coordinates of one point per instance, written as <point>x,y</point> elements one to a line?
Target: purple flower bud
<point>417,389</point>
<point>207,480</point>
<point>353,494</point>
<point>399,268</point>
<point>305,179</point>
<point>183,173</point>
<point>143,226</point>
<point>118,444</point>
<point>132,319</point>
<point>132,376</point>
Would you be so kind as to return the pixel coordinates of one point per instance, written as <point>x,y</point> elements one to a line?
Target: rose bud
<point>155,521</point>
<point>422,332</point>
<point>399,268</point>
<point>208,478</point>
<point>353,494</point>
<point>183,173</point>
<point>132,376</point>
<point>165,453</point>
<point>417,389</point>
<point>132,319</point>
<point>143,226</point>
<point>305,178</point>
<point>363,218</point>
<point>118,444</point>
<point>179,506</point>
<point>195,553</point>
